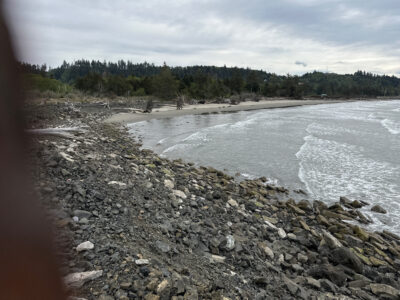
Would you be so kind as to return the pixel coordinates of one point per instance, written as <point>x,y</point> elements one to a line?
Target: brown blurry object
<point>28,268</point>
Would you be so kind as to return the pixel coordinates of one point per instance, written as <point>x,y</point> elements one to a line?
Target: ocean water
<point>330,150</point>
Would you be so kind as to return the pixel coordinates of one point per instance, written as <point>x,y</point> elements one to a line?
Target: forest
<point>200,82</point>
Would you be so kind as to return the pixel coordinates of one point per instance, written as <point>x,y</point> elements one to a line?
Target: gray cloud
<point>300,63</point>
<point>340,35</point>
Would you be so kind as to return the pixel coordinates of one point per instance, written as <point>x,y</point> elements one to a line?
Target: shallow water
<point>331,150</point>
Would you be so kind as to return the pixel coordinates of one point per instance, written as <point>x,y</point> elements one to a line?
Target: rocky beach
<point>132,225</point>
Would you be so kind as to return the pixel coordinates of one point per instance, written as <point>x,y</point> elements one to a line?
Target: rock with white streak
<point>66,156</point>
<point>179,194</point>
<point>169,184</point>
<point>267,250</point>
<point>142,262</point>
<point>85,246</point>
<point>233,203</point>
<point>331,241</point>
<point>218,259</point>
<point>117,183</point>
<point>76,280</point>
<point>269,224</point>
<point>281,233</point>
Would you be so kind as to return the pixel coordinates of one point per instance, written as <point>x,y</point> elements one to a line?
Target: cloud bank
<point>340,36</point>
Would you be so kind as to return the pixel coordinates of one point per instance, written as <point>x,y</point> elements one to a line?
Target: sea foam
<point>391,126</point>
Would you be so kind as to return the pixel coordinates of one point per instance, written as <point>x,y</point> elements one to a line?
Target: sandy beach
<point>198,109</point>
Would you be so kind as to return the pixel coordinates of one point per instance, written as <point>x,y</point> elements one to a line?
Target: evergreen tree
<point>164,85</point>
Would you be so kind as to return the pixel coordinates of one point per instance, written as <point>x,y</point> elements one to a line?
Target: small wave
<point>137,124</point>
<point>197,136</point>
<point>396,109</point>
<point>330,169</point>
<point>242,124</point>
<point>218,126</point>
<point>272,181</point>
<point>391,126</point>
<point>321,129</point>
<point>160,142</point>
<point>176,148</point>
<point>248,176</point>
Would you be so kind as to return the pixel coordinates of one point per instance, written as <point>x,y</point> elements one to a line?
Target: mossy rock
<point>377,262</point>
<point>363,258</point>
<point>361,233</point>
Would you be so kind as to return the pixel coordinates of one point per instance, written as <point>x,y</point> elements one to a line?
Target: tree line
<point>207,82</point>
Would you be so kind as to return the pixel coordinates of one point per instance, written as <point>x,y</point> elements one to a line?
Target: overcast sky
<point>281,36</point>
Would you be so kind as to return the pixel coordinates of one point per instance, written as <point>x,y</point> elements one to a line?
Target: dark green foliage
<point>235,82</point>
<point>164,84</point>
<point>92,82</point>
<point>211,82</point>
<point>253,82</point>
<point>40,83</point>
<point>118,85</point>
<point>293,87</point>
<point>204,86</point>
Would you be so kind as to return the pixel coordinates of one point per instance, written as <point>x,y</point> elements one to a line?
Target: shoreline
<point>199,109</point>
<point>146,227</point>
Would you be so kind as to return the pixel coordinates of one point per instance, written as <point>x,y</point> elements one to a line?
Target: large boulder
<point>334,274</point>
<point>385,291</point>
<point>344,256</point>
<point>379,209</point>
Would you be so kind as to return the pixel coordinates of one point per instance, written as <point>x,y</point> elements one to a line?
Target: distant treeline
<point>203,82</point>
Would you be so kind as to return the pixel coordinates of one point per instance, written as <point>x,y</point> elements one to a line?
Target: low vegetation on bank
<point>107,79</point>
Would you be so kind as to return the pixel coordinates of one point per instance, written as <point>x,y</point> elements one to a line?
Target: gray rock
<point>328,285</point>
<point>334,274</point>
<point>163,287</point>
<point>345,200</point>
<point>356,204</point>
<point>169,184</point>
<point>82,214</point>
<point>358,283</point>
<point>142,262</point>
<point>281,233</point>
<point>230,242</point>
<point>347,258</point>
<point>179,194</point>
<point>162,247</point>
<point>330,240</point>
<point>233,203</point>
<point>125,285</point>
<point>297,268</point>
<point>379,209</point>
<point>85,246</point>
<point>218,259</point>
<point>290,285</point>
<point>384,290</point>
<point>302,258</point>
<point>83,221</point>
<point>313,282</point>
<point>76,280</point>
<point>267,250</point>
